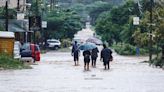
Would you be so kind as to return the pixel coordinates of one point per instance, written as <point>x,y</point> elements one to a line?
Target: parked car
<point>31,50</point>
<point>17,46</point>
<point>53,43</point>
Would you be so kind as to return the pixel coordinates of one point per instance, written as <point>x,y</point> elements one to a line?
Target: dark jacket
<point>106,54</point>
<point>86,55</point>
<point>94,52</point>
<point>75,50</point>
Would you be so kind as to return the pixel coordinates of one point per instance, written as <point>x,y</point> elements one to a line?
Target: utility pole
<point>6,15</point>
<point>151,24</point>
<point>37,8</point>
<point>18,4</point>
<point>37,27</point>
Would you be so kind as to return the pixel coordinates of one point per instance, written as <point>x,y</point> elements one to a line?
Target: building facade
<point>14,4</point>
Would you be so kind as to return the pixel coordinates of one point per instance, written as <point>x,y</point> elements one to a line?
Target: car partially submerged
<point>30,50</point>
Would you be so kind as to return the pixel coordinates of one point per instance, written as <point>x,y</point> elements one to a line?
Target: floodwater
<point>56,73</point>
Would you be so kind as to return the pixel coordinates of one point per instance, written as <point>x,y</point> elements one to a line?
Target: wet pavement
<point>56,73</point>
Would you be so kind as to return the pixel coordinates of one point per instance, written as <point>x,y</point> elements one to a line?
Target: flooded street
<point>127,74</point>
<point>56,73</point>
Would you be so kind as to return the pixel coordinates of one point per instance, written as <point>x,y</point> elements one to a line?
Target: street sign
<point>20,16</point>
<point>136,20</point>
<point>44,24</point>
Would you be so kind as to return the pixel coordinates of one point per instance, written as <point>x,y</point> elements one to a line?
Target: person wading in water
<point>106,55</point>
<point>75,53</point>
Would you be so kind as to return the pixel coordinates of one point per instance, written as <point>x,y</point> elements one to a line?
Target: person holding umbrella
<point>75,53</point>
<point>106,55</point>
<point>86,53</point>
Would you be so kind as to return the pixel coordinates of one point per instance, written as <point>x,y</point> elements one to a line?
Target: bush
<point>7,62</point>
<point>127,49</point>
<point>66,43</point>
<point>158,62</point>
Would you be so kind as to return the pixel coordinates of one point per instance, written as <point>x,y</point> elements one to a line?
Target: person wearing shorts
<point>94,56</point>
<point>75,53</point>
<point>86,55</point>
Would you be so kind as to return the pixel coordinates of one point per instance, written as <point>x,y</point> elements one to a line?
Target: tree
<point>63,24</point>
<point>11,13</point>
<point>158,19</point>
<point>36,7</point>
<point>81,10</point>
<point>159,31</point>
<point>141,39</point>
<point>117,23</point>
<point>96,9</point>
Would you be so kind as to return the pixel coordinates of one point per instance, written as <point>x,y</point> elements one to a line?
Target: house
<point>21,30</point>
<point>13,4</point>
<point>19,27</point>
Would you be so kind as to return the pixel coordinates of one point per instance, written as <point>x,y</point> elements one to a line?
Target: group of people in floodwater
<point>92,55</point>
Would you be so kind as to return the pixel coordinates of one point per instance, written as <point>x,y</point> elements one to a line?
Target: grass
<point>43,51</point>
<point>7,62</point>
<point>64,50</point>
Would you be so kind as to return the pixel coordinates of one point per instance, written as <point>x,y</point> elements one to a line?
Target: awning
<point>16,25</point>
<point>13,28</point>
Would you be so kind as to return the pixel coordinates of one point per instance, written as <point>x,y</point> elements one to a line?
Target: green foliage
<point>115,2</point>
<point>63,24</point>
<point>157,62</point>
<point>36,7</point>
<point>11,13</point>
<point>97,8</point>
<point>124,49</point>
<point>108,31</point>
<point>81,10</point>
<point>141,39</point>
<point>127,49</point>
<point>116,25</point>
<point>66,43</point>
<point>7,62</point>
<point>141,35</point>
<point>89,7</point>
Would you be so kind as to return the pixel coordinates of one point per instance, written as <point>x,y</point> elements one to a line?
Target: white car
<point>53,43</point>
<point>16,53</point>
